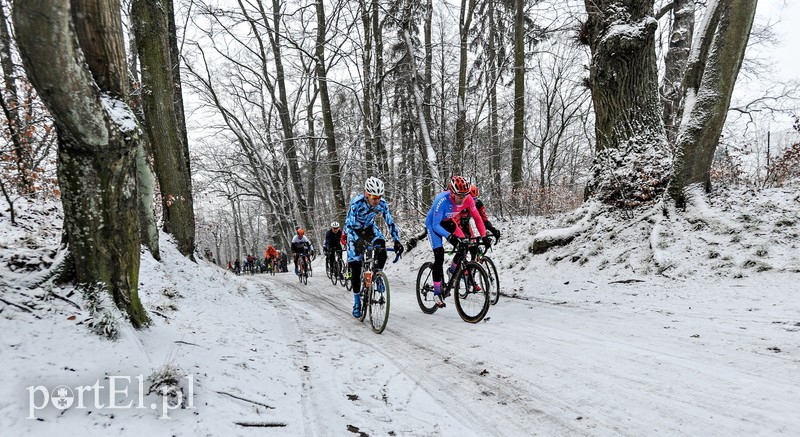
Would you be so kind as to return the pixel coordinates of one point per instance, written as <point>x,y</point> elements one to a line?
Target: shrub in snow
<point>165,381</point>
<point>103,314</point>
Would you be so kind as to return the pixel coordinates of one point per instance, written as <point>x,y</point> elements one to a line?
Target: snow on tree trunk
<point>97,139</point>
<point>631,165</point>
<point>710,77</point>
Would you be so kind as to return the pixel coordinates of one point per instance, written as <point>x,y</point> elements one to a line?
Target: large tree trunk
<point>710,77</point>
<point>145,180</point>
<point>97,136</point>
<point>631,165</point>
<point>327,118</point>
<point>163,123</point>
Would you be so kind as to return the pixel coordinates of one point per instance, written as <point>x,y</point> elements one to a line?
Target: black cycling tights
<point>355,266</point>
<point>438,262</point>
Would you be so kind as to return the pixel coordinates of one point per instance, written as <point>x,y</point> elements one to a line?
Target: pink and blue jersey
<point>444,209</point>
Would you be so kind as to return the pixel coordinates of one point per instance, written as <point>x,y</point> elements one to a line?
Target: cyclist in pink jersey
<point>442,222</point>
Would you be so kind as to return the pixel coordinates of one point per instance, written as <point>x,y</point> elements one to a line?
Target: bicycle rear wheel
<point>425,289</point>
<point>328,268</point>
<point>379,302</point>
<point>494,279</point>
<point>471,293</point>
<point>364,302</point>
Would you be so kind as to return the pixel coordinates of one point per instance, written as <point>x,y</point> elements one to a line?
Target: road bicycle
<point>336,271</point>
<point>303,268</point>
<point>375,297</point>
<point>469,284</point>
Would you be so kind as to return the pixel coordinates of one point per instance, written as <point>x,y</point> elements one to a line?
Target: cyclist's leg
<point>379,246</point>
<point>438,260</point>
<point>375,236</point>
<point>354,261</point>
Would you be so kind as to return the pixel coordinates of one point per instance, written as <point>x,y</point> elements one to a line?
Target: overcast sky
<point>786,16</point>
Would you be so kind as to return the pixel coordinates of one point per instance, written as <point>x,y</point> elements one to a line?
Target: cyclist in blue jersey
<point>441,222</point>
<point>361,230</point>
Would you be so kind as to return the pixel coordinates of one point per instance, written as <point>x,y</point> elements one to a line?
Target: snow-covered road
<point>533,367</point>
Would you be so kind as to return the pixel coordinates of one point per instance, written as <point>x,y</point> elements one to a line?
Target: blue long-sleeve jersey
<point>362,216</point>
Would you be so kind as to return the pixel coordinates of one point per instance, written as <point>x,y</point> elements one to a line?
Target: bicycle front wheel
<point>332,272</point>
<point>471,293</point>
<point>425,289</point>
<point>379,302</point>
<point>494,279</point>
<point>348,284</point>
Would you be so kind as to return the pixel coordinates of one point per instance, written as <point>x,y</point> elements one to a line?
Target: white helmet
<point>334,224</point>
<point>374,186</point>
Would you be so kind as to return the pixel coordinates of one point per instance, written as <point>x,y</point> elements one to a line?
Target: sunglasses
<point>460,196</point>
<point>373,197</point>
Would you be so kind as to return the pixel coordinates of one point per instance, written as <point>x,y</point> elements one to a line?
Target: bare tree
<point>325,101</point>
<point>518,147</point>
<point>464,26</point>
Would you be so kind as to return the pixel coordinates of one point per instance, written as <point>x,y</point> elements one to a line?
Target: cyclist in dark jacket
<point>332,247</point>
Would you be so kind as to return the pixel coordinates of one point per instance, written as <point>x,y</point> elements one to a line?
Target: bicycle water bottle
<point>367,279</point>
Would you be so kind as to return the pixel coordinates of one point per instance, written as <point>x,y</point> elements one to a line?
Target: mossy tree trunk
<point>164,119</point>
<point>97,136</point>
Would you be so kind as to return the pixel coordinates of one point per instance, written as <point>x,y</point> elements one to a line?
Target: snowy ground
<point>697,337</point>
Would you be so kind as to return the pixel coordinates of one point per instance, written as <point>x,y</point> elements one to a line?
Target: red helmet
<point>458,185</point>
<point>473,190</point>
<point>300,232</point>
